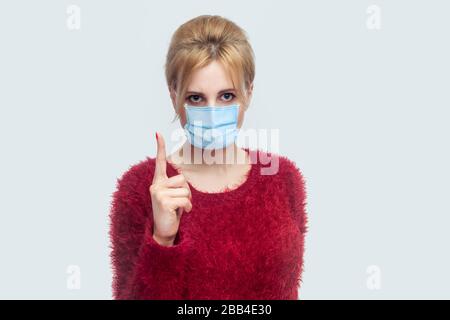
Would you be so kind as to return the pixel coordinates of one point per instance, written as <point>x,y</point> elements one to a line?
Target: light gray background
<point>364,113</point>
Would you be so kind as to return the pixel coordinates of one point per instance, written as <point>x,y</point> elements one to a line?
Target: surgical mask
<point>211,127</point>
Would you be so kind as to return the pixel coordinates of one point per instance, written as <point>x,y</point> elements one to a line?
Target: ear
<point>250,90</point>
<point>249,94</point>
<point>173,97</point>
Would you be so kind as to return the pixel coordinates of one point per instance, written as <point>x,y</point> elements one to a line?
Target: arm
<point>297,202</point>
<point>297,198</point>
<point>142,268</point>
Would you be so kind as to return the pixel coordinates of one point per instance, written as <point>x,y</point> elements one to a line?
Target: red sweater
<point>243,243</point>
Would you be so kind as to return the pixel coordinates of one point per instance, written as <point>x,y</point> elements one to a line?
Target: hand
<point>170,197</point>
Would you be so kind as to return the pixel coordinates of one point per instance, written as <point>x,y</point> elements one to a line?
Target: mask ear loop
<point>238,108</point>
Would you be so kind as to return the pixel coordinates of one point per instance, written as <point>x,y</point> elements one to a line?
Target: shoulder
<point>276,164</point>
<point>292,183</point>
<point>137,177</point>
<point>292,174</point>
<point>282,170</point>
<point>289,168</point>
<point>130,200</point>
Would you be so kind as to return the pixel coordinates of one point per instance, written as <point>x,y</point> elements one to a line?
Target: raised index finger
<point>160,166</point>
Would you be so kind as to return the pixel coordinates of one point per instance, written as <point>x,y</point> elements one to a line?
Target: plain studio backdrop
<point>359,91</point>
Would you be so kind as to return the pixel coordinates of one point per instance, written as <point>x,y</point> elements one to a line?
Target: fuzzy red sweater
<point>243,243</point>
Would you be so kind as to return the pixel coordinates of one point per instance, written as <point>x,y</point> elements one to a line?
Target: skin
<point>172,196</point>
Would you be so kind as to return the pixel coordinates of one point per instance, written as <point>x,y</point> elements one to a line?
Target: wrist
<point>163,241</point>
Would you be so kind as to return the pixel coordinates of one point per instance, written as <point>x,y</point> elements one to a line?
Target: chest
<point>242,238</point>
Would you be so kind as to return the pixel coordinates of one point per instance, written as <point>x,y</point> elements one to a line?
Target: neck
<point>195,158</point>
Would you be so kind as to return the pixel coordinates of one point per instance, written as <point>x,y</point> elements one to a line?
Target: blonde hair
<point>202,40</point>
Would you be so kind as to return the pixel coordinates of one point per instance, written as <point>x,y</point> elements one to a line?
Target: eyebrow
<point>200,93</point>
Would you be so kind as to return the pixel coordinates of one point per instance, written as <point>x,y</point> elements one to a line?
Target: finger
<point>176,192</point>
<point>177,181</point>
<point>184,203</point>
<point>160,167</point>
<point>186,185</point>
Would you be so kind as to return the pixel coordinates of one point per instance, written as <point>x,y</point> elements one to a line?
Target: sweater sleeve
<point>297,197</point>
<point>142,268</point>
<point>295,184</point>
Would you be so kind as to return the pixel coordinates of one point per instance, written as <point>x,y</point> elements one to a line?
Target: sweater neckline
<point>246,184</point>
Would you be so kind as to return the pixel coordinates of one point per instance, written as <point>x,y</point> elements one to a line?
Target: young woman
<point>185,227</point>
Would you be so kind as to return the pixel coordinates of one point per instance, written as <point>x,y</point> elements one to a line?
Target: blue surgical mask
<point>211,127</point>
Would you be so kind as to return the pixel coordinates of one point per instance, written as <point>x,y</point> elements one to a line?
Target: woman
<point>184,229</point>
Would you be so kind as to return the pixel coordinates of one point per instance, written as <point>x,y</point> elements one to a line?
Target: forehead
<point>212,78</point>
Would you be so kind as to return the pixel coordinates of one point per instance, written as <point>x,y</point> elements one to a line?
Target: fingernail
<point>156,134</point>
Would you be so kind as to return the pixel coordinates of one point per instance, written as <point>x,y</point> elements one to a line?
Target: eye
<point>228,96</point>
<point>195,98</point>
